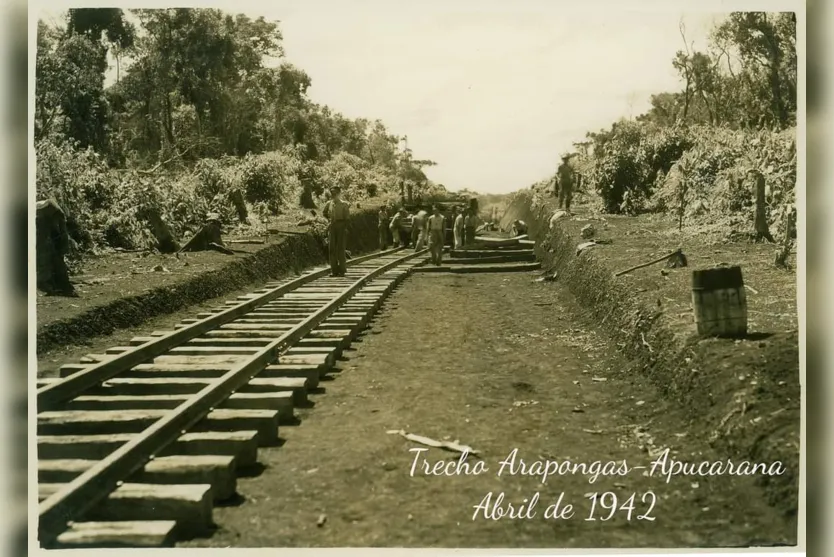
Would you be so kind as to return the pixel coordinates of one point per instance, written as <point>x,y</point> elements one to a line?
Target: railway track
<point>136,445</point>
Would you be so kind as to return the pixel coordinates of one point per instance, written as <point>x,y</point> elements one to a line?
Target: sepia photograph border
<point>567,8</point>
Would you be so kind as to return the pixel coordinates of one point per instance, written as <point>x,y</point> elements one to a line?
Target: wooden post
<point>762,229</point>
<point>785,250</point>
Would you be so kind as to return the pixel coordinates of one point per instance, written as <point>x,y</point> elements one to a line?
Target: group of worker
<point>427,230</point>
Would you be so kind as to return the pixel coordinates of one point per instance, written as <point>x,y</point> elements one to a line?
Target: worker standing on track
<point>383,229</point>
<point>470,225</point>
<point>337,212</point>
<point>418,229</point>
<point>458,228</point>
<point>566,181</point>
<point>455,235</point>
<point>394,227</point>
<point>436,226</point>
<point>398,229</point>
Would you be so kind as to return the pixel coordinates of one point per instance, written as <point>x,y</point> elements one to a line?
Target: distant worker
<point>454,220</point>
<point>396,227</point>
<point>383,229</point>
<point>418,229</point>
<point>519,228</point>
<point>436,226</point>
<point>458,228</point>
<point>470,225</point>
<point>337,211</point>
<point>566,182</point>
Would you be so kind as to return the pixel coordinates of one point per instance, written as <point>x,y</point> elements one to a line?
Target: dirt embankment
<point>123,290</point>
<point>743,396</point>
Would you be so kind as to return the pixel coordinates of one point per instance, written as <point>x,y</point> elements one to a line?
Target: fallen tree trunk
<point>207,238</point>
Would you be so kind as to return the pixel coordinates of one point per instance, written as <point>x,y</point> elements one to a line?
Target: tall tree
<point>766,44</point>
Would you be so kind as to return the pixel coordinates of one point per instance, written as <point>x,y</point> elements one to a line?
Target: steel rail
<point>50,396</point>
<point>97,482</point>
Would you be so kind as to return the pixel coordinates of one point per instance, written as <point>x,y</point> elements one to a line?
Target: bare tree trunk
<point>169,122</point>
<point>709,109</point>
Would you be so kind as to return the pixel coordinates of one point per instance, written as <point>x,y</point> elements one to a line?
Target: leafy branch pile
<point>205,115</point>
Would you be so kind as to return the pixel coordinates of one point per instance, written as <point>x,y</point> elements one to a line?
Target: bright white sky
<point>492,93</point>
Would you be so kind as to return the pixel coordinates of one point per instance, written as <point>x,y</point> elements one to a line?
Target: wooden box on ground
<point>719,302</point>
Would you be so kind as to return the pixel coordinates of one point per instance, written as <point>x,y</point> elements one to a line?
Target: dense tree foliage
<point>693,151</point>
<point>746,79</point>
<point>206,98</point>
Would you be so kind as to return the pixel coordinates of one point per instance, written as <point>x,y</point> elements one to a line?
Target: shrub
<point>640,166</point>
<point>272,178</point>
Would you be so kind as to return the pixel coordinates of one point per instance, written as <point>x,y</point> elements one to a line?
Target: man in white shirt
<point>470,225</point>
<point>337,212</point>
<point>436,226</point>
<point>418,229</point>
<point>457,227</point>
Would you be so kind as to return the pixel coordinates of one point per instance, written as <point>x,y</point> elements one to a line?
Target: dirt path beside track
<point>499,362</point>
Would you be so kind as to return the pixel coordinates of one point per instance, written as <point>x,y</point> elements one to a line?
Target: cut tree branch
<point>658,260</point>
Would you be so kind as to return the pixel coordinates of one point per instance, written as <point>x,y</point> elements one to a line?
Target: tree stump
<point>762,230</point>
<point>51,244</point>
<point>236,199</point>
<point>207,238</point>
<point>307,201</point>
<point>165,241</point>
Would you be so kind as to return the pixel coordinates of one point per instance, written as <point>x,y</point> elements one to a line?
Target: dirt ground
<point>100,279</point>
<point>520,369</point>
<point>771,292</point>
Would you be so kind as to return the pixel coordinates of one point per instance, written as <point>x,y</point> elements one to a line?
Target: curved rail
<point>97,482</point>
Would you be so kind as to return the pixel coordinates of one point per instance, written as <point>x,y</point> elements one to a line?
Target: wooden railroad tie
<point>177,415</point>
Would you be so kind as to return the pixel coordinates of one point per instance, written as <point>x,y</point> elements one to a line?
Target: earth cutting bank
<point>287,254</point>
<point>743,395</point>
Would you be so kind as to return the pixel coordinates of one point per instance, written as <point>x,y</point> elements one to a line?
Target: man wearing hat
<point>565,177</point>
<point>337,211</point>
<point>383,228</point>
